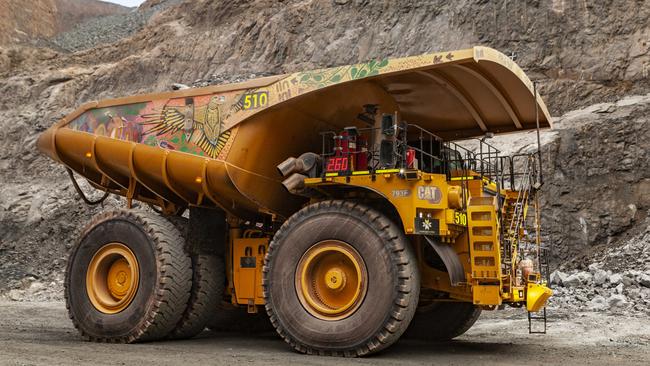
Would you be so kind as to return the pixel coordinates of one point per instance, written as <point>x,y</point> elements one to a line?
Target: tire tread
<point>404,305</point>
<point>174,276</point>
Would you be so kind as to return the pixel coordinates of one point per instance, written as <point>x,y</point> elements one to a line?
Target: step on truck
<point>345,207</point>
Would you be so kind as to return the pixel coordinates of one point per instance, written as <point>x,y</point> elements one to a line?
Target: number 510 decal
<point>255,100</point>
<point>460,218</point>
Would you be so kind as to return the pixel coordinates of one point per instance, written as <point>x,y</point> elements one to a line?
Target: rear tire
<point>208,282</point>
<point>383,308</point>
<point>442,321</point>
<point>160,293</point>
<point>207,289</point>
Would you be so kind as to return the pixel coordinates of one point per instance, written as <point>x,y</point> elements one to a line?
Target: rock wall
<point>596,171</point>
<point>37,20</point>
<point>598,176</point>
<point>580,52</point>
<point>17,24</point>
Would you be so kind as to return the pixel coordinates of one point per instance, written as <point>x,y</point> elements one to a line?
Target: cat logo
<point>430,194</point>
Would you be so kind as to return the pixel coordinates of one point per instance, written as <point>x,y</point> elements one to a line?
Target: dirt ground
<point>41,334</point>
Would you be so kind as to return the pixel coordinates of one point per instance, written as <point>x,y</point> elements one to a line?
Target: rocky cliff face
<point>596,170</point>
<point>579,52</point>
<point>17,24</point>
<point>596,162</point>
<point>37,20</point>
<point>598,176</point>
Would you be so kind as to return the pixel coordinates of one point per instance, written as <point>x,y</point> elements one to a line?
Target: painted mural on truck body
<point>205,125</point>
<point>193,125</point>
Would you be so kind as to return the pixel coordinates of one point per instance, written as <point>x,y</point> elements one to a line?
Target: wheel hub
<point>112,278</point>
<point>331,280</point>
<point>335,279</point>
<point>119,278</point>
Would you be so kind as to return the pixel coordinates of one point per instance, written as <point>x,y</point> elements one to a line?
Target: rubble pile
<point>617,281</point>
<point>108,29</point>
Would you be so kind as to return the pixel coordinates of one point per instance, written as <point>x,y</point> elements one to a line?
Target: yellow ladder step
<point>483,237</point>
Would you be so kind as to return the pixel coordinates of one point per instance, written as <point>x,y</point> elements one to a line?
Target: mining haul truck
<point>345,207</point>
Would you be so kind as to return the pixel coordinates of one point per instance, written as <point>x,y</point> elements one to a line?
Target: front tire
<point>128,278</point>
<point>340,279</point>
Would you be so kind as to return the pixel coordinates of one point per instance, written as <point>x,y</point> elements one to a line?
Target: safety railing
<point>408,146</point>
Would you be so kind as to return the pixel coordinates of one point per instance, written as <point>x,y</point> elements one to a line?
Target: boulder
<point>557,277</point>
<point>594,267</point>
<point>600,277</point>
<point>628,279</point>
<point>619,288</point>
<point>584,277</point>
<point>615,279</point>
<point>598,303</point>
<point>644,280</point>
<point>36,287</point>
<point>581,298</point>
<point>572,281</point>
<point>617,301</point>
<point>634,293</point>
<point>16,295</point>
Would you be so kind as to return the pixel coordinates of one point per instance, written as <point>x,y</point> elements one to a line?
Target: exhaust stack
<point>306,163</point>
<point>288,166</point>
<point>295,183</point>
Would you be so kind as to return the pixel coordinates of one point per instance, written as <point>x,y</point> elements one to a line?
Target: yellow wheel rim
<point>331,280</point>
<point>112,278</point>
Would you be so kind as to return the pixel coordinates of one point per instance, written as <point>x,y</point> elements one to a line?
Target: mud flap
<point>450,259</point>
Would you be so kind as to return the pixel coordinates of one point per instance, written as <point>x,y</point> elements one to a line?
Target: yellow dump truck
<point>340,202</point>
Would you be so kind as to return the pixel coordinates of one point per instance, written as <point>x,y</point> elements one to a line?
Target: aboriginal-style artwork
<point>193,125</point>
<point>116,122</point>
<point>205,125</point>
<point>303,82</point>
<point>200,124</point>
<point>324,77</point>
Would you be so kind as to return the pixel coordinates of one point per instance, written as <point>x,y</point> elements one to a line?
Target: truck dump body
<point>219,146</point>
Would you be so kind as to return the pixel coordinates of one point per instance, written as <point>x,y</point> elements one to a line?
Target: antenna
<point>539,144</point>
